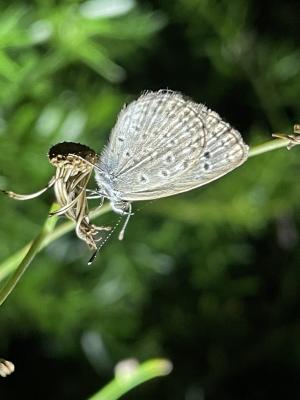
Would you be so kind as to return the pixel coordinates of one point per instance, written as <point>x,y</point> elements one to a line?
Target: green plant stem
<point>29,256</point>
<point>9,265</point>
<point>122,384</point>
<point>268,146</point>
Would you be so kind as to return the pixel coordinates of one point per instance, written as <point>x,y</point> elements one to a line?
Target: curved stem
<point>143,373</point>
<point>30,254</point>
<point>10,264</point>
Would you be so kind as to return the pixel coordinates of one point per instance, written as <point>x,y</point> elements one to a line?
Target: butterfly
<point>164,144</point>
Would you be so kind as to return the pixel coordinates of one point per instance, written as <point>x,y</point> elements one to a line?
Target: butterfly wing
<point>224,151</point>
<point>163,144</point>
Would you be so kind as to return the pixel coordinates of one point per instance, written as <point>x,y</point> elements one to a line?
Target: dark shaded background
<point>209,279</point>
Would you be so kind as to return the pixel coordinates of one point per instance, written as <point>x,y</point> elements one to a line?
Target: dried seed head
<point>6,367</point>
<point>74,165</point>
<point>294,140</point>
<point>78,156</point>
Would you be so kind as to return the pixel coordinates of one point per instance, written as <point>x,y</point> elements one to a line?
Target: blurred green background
<point>209,279</point>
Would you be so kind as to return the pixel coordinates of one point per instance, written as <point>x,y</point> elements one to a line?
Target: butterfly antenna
<point>92,259</point>
<point>122,231</point>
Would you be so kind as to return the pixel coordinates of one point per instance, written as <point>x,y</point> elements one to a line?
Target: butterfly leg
<point>122,208</point>
<point>129,214</point>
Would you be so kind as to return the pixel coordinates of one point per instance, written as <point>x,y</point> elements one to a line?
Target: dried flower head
<point>74,165</point>
<point>293,139</point>
<point>6,367</point>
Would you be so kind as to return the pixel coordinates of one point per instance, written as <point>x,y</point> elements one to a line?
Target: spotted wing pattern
<point>164,144</point>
